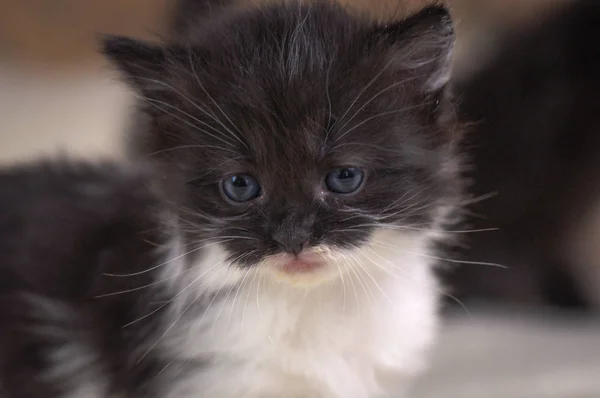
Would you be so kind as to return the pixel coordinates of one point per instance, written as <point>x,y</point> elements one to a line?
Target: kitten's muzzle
<point>293,229</point>
<point>303,262</point>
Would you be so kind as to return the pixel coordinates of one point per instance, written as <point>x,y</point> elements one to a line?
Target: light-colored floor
<point>515,353</point>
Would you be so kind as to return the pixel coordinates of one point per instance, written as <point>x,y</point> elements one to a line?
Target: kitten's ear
<point>143,65</point>
<point>423,43</point>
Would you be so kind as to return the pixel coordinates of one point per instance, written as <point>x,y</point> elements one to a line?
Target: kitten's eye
<point>240,188</point>
<point>344,179</point>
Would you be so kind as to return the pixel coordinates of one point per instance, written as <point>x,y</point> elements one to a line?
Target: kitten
<point>311,148</point>
<point>65,227</point>
<point>534,143</point>
<point>305,162</point>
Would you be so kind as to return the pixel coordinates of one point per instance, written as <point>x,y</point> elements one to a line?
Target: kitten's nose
<point>292,245</point>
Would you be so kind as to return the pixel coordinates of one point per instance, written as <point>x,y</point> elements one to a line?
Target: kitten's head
<point>300,132</point>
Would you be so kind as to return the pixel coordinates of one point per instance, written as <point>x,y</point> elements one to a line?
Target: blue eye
<point>240,188</point>
<point>344,180</point>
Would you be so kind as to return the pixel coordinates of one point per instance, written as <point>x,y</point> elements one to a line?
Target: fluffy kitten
<point>310,146</point>
<point>64,228</point>
<point>306,165</point>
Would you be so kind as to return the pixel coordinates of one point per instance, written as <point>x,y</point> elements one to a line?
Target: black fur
<point>191,16</point>
<point>297,91</point>
<point>272,92</point>
<point>63,227</point>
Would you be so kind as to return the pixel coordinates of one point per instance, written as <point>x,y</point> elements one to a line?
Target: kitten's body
<point>305,288</point>
<point>63,227</point>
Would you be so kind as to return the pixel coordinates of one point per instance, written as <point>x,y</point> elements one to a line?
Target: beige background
<point>57,92</point>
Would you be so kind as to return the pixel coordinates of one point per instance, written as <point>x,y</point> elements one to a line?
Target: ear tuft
<point>423,43</point>
<point>142,64</point>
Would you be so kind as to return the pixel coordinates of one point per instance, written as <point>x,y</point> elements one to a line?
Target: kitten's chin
<point>310,268</point>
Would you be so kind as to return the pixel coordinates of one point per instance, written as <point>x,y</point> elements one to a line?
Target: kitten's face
<point>299,135</point>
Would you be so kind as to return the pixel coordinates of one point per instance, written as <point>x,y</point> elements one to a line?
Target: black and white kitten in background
<point>306,166</point>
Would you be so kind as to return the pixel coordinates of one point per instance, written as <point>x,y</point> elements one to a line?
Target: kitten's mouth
<point>308,268</point>
<point>298,266</point>
<point>303,263</point>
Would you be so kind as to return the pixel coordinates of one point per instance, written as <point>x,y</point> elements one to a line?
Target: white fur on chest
<point>364,334</point>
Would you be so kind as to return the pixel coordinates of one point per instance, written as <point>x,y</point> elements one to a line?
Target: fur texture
<point>63,228</point>
<point>305,165</point>
<point>100,300</point>
<point>285,94</point>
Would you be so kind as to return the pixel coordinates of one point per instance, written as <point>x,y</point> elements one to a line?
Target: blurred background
<point>531,330</point>
<point>56,91</point>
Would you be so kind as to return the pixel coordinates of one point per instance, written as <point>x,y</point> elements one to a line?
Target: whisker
<point>210,97</point>
<point>164,368</point>
<point>195,105</point>
<point>401,200</point>
<point>224,301</point>
<point>358,227</point>
<point>343,287</point>
<point>478,199</point>
<point>415,210</point>
<point>175,296</point>
<point>378,116</point>
<point>362,284</point>
<point>365,88</point>
<point>147,285</point>
<point>348,266</point>
<point>407,274</point>
<point>197,146</point>
<point>161,264</point>
<point>362,267</point>
<point>233,286</point>
<point>198,213</point>
<point>238,237</point>
<point>153,103</point>
<point>249,290</point>
<point>443,258</point>
<point>329,106</point>
<point>239,289</point>
<point>375,96</point>
<point>379,148</point>
<point>182,313</point>
<point>407,227</point>
<point>258,294</point>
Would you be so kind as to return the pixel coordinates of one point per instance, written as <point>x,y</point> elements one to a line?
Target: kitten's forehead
<point>290,85</point>
<point>300,135</point>
<point>311,117</point>
<point>291,54</point>
<point>295,94</point>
